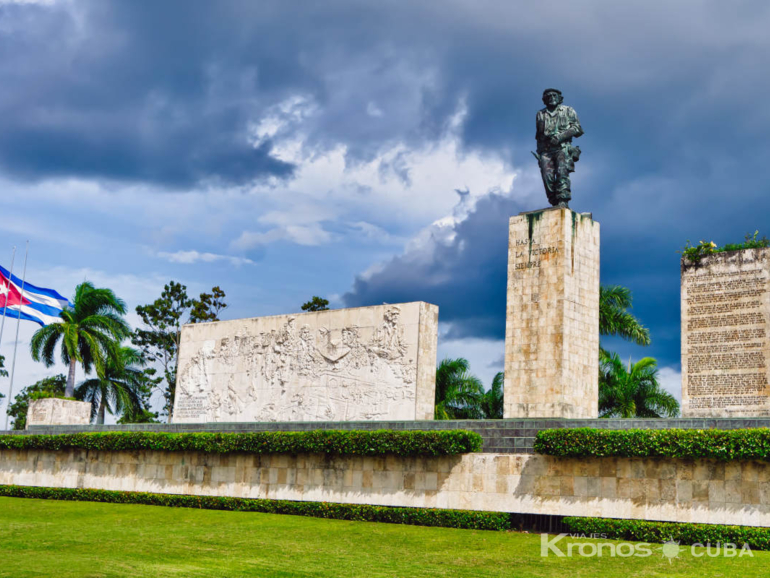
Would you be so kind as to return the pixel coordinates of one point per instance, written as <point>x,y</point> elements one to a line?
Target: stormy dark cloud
<point>170,94</point>
<point>165,91</point>
<point>461,266</point>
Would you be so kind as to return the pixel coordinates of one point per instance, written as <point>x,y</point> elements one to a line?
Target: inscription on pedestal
<point>725,306</point>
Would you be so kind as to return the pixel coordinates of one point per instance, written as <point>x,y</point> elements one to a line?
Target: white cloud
<point>372,232</point>
<point>190,257</point>
<point>373,110</point>
<point>670,379</point>
<point>299,234</point>
<point>400,184</point>
<point>485,356</point>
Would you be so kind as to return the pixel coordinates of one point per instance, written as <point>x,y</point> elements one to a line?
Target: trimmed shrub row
<point>724,445</point>
<point>352,442</point>
<point>659,532</point>
<point>466,519</point>
<point>633,530</point>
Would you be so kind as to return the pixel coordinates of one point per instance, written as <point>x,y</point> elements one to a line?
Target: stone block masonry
<point>368,363</point>
<point>56,411</point>
<point>725,341</point>
<point>552,316</point>
<point>701,491</point>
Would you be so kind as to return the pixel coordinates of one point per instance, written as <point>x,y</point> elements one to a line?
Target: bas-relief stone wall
<point>702,491</point>
<point>725,342</point>
<point>369,363</point>
<point>552,317</point>
<point>55,411</point>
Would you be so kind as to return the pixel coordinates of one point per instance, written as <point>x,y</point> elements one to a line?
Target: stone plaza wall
<point>702,491</point>
<point>56,411</point>
<point>725,341</point>
<point>552,317</point>
<point>369,363</point>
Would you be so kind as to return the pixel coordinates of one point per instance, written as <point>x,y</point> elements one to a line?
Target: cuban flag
<point>36,304</point>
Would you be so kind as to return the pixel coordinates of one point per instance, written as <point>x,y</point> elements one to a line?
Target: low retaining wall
<point>703,491</point>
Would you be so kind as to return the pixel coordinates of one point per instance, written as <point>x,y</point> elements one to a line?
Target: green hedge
<point>725,445</point>
<point>352,442</point>
<point>659,532</point>
<point>466,519</point>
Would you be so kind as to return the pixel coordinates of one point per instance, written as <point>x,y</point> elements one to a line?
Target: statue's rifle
<point>537,156</point>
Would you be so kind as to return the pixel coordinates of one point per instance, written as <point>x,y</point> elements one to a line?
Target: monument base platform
<point>509,479</point>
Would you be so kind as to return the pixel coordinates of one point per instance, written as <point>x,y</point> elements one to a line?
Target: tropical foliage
<point>158,340</point>
<point>458,392</point>
<point>492,400</point>
<point>614,317</point>
<point>340,442</point>
<point>3,372</point>
<point>633,390</point>
<point>117,388</point>
<point>90,332</point>
<point>468,519</point>
<point>694,253</point>
<point>726,445</point>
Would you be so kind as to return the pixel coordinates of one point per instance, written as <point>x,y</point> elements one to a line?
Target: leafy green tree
<point>614,317</point>
<point>633,390</point>
<point>117,387</point>
<point>139,416</point>
<point>459,393</point>
<point>492,400</point>
<point>208,306</point>
<point>316,304</point>
<point>90,332</point>
<point>159,339</point>
<point>53,386</point>
<point>3,372</point>
<point>145,387</point>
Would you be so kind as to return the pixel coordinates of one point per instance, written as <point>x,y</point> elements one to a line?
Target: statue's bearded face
<point>552,99</point>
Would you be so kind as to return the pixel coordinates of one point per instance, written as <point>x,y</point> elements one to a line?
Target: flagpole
<point>8,294</point>
<point>5,303</point>
<point>18,322</point>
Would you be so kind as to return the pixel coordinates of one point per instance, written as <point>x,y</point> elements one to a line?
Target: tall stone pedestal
<point>552,317</point>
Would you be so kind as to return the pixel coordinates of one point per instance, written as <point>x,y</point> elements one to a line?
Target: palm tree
<point>614,319</point>
<point>492,401</point>
<point>90,332</point>
<point>632,391</point>
<point>117,388</point>
<point>458,392</point>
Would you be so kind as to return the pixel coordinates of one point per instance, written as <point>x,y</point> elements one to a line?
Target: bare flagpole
<point>18,322</point>
<point>8,294</point>
<point>5,303</point>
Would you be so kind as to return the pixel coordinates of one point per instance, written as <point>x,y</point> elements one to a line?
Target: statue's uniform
<point>557,161</point>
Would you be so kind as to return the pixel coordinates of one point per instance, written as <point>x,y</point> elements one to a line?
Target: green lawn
<point>62,539</point>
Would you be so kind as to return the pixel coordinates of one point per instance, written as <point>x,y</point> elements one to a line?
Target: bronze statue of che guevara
<point>557,124</point>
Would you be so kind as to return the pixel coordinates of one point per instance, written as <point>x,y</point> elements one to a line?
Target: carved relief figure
<point>305,373</point>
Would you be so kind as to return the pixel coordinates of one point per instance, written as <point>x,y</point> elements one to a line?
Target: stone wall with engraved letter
<point>56,411</point>
<point>552,317</point>
<point>369,363</point>
<point>725,345</point>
